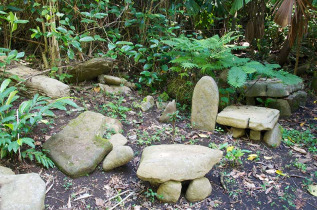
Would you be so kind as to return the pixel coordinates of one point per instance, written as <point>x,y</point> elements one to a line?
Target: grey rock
<point>147,103</point>
<point>296,100</point>
<point>273,138</point>
<point>22,192</point>
<point>80,146</point>
<point>178,162</point>
<point>116,90</point>
<point>256,88</point>
<point>91,69</point>
<point>170,109</point>
<point>119,156</point>
<point>205,104</point>
<point>118,140</point>
<point>198,190</point>
<point>161,105</point>
<point>6,171</point>
<point>169,192</point>
<point>112,80</point>
<point>281,105</point>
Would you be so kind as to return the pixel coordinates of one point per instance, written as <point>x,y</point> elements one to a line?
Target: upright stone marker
<point>205,104</point>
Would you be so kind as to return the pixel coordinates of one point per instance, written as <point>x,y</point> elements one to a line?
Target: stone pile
<point>170,165</point>
<point>115,85</point>
<point>286,98</point>
<point>256,119</point>
<point>80,146</point>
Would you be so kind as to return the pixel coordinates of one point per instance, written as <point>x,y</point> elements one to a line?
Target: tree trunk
<point>286,49</point>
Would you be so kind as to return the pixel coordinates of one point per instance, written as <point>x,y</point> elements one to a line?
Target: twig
<point>298,176</point>
<point>116,196</point>
<point>122,201</point>
<point>35,42</point>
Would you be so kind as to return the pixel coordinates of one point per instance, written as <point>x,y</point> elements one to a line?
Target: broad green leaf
<point>86,39</point>
<point>12,94</point>
<point>147,66</point>
<point>4,85</point>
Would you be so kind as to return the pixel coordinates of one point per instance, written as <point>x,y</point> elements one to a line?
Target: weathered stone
<point>116,90</point>
<point>205,104</point>
<point>237,132</point>
<point>5,171</point>
<point>22,192</point>
<point>250,101</point>
<point>112,80</point>
<point>169,192</point>
<point>80,146</point>
<point>255,135</point>
<point>161,163</point>
<point>118,140</point>
<point>170,109</point>
<point>91,69</point>
<point>42,85</point>
<point>113,125</point>
<point>198,189</point>
<point>281,105</point>
<point>273,138</point>
<point>119,156</point>
<point>279,89</point>
<point>296,100</point>
<point>161,105</point>
<point>147,103</point>
<point>256,88</point>
<point>255,118</point>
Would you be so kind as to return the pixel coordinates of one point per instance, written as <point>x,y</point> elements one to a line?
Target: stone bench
<point>257,119</point>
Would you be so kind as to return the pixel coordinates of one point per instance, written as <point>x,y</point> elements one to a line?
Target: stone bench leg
<point>237,132</point>
<point>255,135</point>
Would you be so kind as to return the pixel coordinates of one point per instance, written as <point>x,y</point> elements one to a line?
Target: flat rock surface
<point>253,117</point>
<point>22,192</point>
<point>176,162</point>
<point>79,147</point>
<point>6,171</point>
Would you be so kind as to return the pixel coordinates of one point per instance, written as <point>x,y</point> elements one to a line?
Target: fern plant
<point>215,53</point>
<point>17,123</point>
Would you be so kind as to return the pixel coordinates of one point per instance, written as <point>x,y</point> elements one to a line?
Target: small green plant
<point>233,154</point>
<point>17,123</point>
<point>301,166</point>
<point>68,183</point>
<point>265,102</point>
<point>300,138</point>
<point>145,138</point>
<point>116,109</point>
<point>172,118</point>
<point>151,195</point>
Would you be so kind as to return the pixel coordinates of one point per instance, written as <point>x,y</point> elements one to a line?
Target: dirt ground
<point>277,179</point>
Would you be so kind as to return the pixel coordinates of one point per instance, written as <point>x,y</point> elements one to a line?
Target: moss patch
<point>181,89</point>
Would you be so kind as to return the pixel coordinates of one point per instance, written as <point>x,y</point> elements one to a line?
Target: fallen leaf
<point>252,156</point>
<point>84,196</point>
<point>270,171</point>
<point>312,189</point>
<point>229,149</point>
<point>302,124</point>
<point>269,189</point>
<point>279,172</point>
<point>97,89</point>
<point>249,185</point>
<point>44,121</point>
<point>99,202</point>
<point>267,158</point>
<point>300,150</point>
<point>203,135</point>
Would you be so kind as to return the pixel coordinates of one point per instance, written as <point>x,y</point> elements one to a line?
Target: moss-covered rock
<point>181,89</point>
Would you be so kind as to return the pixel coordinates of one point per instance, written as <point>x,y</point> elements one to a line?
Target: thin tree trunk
<point>286,49</point>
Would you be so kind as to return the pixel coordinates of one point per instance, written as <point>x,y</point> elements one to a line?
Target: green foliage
<point>151,195</point>
<point>233,153</point>
<point>301,138</point>
<point>17,123</point>
<point>212,54</point>
<point>116,109</point>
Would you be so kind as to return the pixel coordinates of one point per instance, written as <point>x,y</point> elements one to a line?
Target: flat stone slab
<point>270,88</point>
<point>22,192</point>
<point>176,162</point>
<point>253,117</point>
<point>80,146</point>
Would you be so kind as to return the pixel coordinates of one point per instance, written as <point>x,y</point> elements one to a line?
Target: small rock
<point>170,109</point>
<point>118,140</point>
<point>112,80</point>
<point>237,132</point>
<point>119,156</point>
<point>161,105</point>
<point>198,189</point>
<point>169,192</point>
<point>117,90</point>
<point>5,171</point>
<point>282,105</point>
<point>22,192</point>
<point>113,125</point>
<point>147,103</point>
<point>296,100</point>
<point>255,135</point>
<point>273,138</point>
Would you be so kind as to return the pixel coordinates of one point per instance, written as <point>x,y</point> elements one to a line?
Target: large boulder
<point>205,103</point>
<point>169,192</point>
<point>91,69</point>
<point>273,138</point>
<point>253,117</point>
<point>22,192</point>
<point>5,171</point>
<point>169,109</point>
<point>119,156</point>
<point>198,189</point>
<point>80,146</point>
<point>40,84</point>
<point>178,162</point>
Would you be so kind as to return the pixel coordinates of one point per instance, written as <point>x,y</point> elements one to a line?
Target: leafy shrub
<point>302,138</point>
<point>214,53</point>
<point>17,123</point>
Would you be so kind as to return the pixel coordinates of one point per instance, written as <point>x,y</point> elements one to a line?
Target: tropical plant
<point>18,122</point>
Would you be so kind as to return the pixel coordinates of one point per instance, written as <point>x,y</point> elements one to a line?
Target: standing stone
<point>118,140</point>
<point>170,109</point>
<point>237,132</point>
<point>255,135</point>
<point>169,192</point>
<point>273,138</point>
<point>198,190</point>
<point>80,146</point>
<point>22,192</point>
<point>119,156</point>
<point>205,104</point>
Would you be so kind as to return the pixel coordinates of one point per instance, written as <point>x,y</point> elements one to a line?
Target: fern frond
<point>237,77</point>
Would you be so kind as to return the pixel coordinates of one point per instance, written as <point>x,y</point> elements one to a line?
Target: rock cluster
<point>169,165</point>
<point>80,146</point>
<point>286,98</point>
<point>115,85</point>
<point>257,119</point>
